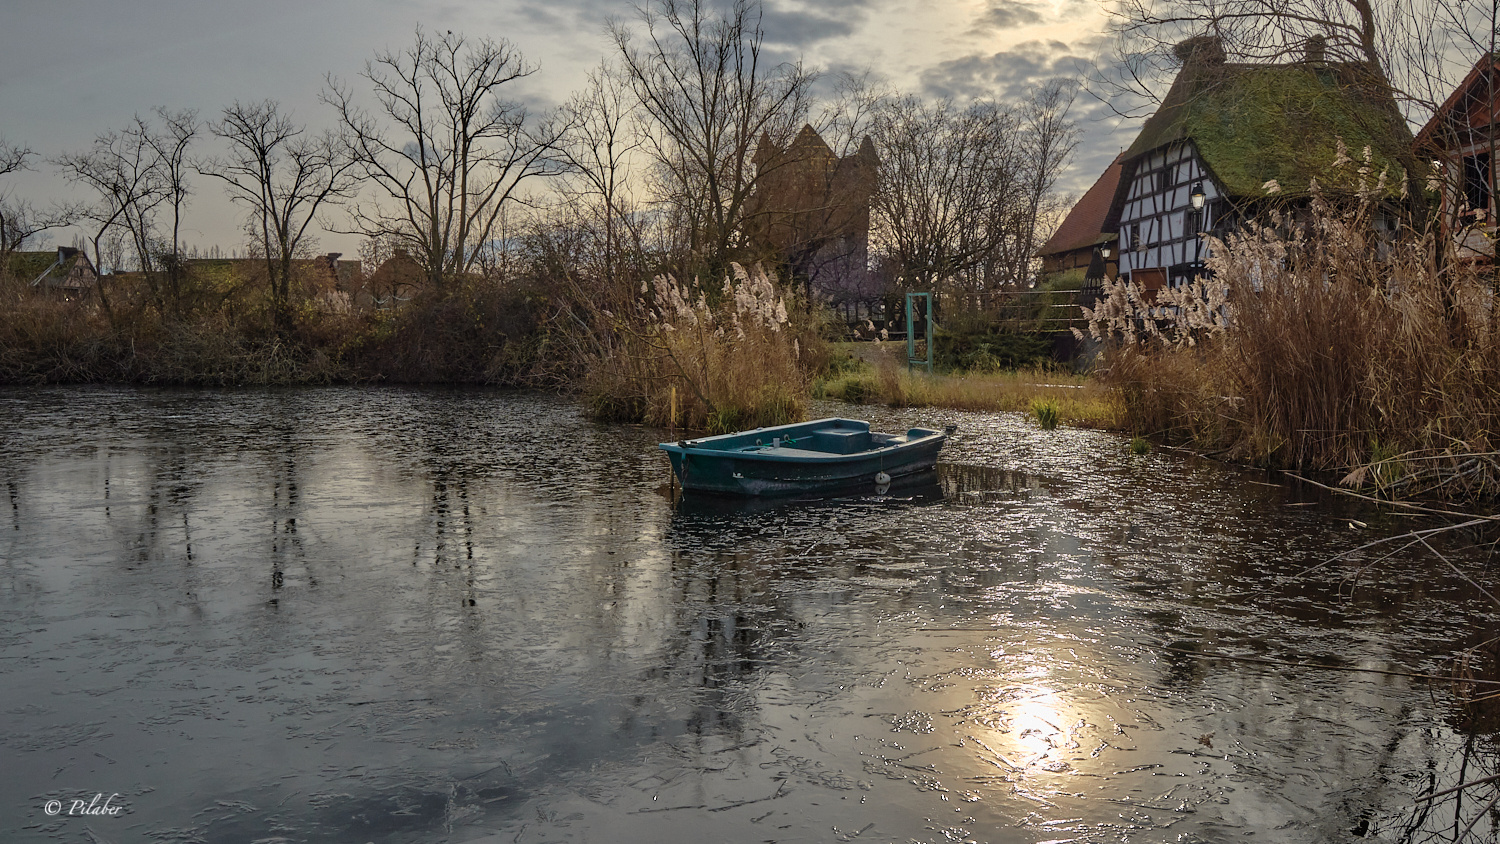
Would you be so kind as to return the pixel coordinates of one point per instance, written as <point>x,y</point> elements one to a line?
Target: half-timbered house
<point>1229,138</point>
<point>1461,138</point>
<point>1169,201</point>
<point>65,271</point>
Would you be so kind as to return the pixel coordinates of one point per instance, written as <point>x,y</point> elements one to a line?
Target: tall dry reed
<point>1321,341</point>
<point>682,358</point>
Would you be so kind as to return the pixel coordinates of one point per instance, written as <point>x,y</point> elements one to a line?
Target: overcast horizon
<point>72,69</point>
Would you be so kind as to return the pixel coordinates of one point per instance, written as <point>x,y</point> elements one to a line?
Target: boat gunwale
<point>767,453</point>
<point>808,455</point>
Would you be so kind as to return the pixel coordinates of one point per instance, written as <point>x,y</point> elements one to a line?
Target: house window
<point>1477,182</point>
<point>1135,238</point>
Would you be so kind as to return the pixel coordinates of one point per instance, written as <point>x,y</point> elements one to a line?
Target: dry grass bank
<point>879,378</point>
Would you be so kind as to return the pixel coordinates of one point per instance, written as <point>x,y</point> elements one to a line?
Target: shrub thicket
<point>990,350</point>
<point>472,333</point>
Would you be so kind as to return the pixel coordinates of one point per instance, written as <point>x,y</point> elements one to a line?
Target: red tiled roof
<point>1084,225</point>
<point>1430,136</point>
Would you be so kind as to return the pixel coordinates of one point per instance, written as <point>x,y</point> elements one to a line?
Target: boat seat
<point>789,451</point>
<point>837,441</point>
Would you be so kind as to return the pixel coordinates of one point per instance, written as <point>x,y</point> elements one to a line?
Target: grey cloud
<point>795,29</point>
<point>1093,155</point>
<point>587,18</point>
<point>788,26</point>
<point>1010,76</point>
<point>1004,75</point>
<point>1007,15</point>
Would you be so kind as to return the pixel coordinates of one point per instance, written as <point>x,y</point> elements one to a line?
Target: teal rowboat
<point>821,456</point>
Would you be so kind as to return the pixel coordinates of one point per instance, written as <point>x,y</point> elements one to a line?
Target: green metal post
<point>911,335</point>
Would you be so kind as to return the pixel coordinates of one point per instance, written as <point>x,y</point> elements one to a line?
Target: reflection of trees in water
<point>446,539</point>
<point>970,484</point>
<point>149,496</point>
<point>170,485</point>
<point>1450,799</point>
<point>728,627</point>
<point>286,456</point>
<point>17,575</point>
<point>449,521</point>
<point>723,620</point>
<point>1474,791</point>
<point>1400,772</point>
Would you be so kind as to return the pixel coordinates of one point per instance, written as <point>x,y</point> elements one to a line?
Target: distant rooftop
<point>1084,225</point>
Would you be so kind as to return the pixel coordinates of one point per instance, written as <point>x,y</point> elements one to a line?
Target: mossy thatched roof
<point>26,266</point>
<point>1255,123</point>
<point>225,273</point>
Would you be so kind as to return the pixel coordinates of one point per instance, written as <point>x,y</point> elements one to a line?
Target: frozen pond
<point>379,615</point>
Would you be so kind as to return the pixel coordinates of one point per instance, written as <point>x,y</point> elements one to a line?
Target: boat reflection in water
<point>920,488</point>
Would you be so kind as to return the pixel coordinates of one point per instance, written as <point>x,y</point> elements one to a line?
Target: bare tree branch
<point>123,171</point>
<point>708,97</point>
<point>961,189</point>
<point>454,153</point>
<point>285,179</point>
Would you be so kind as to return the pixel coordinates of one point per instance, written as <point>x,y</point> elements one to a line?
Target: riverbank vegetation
<point>681,360</point>
<point>468,334</point>
<point>1321,343</point>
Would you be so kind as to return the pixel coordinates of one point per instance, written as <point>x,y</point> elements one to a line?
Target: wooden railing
<point>1042,311</point>
<point>1027,311</point>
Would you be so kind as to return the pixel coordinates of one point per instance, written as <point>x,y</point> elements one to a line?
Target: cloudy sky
<point>70,69</point>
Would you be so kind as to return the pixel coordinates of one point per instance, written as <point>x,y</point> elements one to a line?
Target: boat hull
<point>809,458</point>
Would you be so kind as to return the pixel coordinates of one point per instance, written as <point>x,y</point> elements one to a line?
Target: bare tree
<point>1261,31</point>
<point>960,189</point>
<point>13,158</point>
<point>1416,49</point>
<point>20,221</point>
<point>15,228</point>
<point>121,169</point>
<point>1048,140</point>
<point>847,115</point>
<point>1412,52</point>
<point>171,146</point>
<point>595,147</point>
<point>284,177</point>
<point>708,96</point>
<point>455,153</point>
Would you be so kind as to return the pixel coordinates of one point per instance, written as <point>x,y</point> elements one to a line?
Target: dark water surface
<point>416,616</point>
